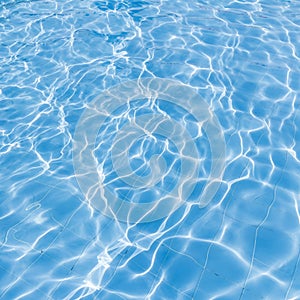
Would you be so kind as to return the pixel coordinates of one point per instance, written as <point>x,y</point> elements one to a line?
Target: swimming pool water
<point>149,149</point>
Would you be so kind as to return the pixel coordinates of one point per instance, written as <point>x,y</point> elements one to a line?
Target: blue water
<point>149,149</point>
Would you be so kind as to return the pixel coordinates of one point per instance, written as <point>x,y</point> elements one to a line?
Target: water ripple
<point>241,59</point>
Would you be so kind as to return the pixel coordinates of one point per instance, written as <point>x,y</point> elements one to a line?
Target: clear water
<point>110,108</point>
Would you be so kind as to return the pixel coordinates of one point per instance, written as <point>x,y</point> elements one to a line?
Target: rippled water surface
<point>149,149</point>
